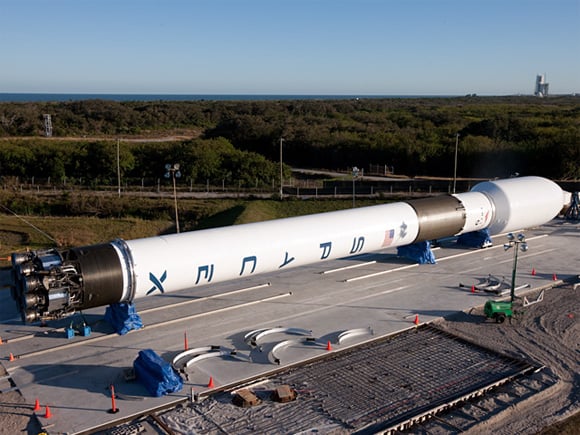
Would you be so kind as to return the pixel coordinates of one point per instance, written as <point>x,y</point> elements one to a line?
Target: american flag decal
<point>389,236</point>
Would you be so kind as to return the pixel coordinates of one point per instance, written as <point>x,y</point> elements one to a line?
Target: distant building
<point>47,125</point>
<point>541,89</point>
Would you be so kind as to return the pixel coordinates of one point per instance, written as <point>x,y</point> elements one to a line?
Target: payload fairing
<point>53,283</point>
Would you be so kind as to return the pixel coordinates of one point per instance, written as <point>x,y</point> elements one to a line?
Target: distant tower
<point>47,125</point>
<point>541,89</point>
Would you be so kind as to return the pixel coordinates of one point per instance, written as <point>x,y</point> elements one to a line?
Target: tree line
<point>494,136</point>
<point>99,162</point>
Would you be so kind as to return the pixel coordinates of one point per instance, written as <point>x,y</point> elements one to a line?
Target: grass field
<point>33,231</point>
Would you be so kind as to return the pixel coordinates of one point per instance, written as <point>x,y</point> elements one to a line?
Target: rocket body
<point>53,284</point>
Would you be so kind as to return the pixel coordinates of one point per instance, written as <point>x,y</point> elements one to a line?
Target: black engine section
<point>51,284</point>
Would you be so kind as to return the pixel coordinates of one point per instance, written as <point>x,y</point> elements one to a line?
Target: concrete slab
<point>381,291</point>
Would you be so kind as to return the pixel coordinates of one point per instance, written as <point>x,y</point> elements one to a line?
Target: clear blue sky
<point>384,47</point>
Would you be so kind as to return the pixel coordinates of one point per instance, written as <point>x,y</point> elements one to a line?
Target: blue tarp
<point>475,239</point>
<point>123,317</point>
<point>419,252</point>
<point>156,374</point>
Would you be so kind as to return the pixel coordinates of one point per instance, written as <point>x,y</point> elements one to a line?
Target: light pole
<point>455,164</point>
<point>354,175</point>
<point>173,172</point>
<point>281,169</point>
<point>520,243</point>
<point>118,169</point>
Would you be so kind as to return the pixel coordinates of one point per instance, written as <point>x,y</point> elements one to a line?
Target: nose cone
<point>522,202</point>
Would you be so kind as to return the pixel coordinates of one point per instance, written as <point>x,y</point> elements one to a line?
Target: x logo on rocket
<point>157,283</point>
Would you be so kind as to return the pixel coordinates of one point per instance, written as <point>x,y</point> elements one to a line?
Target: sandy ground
<point>16,416</point>
<point>547,333</point>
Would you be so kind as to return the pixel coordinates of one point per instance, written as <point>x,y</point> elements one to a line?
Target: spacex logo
<point>157,283</point>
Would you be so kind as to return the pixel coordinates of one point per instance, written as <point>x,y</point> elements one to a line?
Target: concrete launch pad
<point>378,293</point>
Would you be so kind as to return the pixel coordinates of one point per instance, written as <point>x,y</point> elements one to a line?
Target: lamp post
<point>118,169</point>
<point>520,244</point>
<point>281,169</point>
<point>455,162</point>
<point>173,172</point>
<point>354,175</point>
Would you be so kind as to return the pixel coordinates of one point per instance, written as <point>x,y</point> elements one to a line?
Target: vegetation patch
<point>237,143</point>
<point>21,228</point>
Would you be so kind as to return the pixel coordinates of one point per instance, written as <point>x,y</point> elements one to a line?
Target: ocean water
<point>22,98</point>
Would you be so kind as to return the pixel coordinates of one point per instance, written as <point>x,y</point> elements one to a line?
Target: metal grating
<point>387,384</point>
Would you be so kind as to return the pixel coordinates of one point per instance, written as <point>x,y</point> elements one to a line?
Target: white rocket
<point>53,283</point>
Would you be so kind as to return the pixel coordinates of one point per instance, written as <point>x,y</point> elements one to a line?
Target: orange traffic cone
<point>36,405</point>
<point>11,357</point>
<point>114,408</point>
<point>1,342</point>
<point>416,321</point>
<point>328,345</point>
<point>472,289</point>
<point>47,414</point>
<point>185,344</point>
<point>533,271</point>
<point>554,277</point>
<point>210,383</point>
